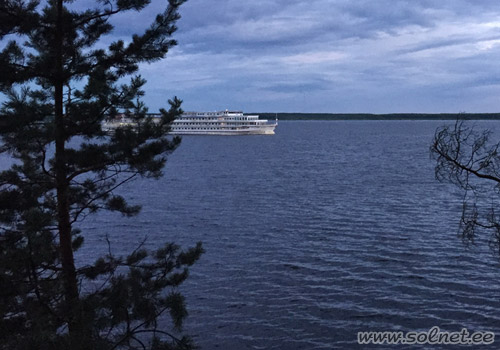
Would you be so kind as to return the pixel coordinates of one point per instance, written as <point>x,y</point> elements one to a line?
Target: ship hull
<point>263,130</point>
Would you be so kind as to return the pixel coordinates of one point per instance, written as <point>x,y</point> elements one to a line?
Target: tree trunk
<point>75,325</point>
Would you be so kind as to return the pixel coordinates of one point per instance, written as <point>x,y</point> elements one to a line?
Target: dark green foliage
<point>59,89</point>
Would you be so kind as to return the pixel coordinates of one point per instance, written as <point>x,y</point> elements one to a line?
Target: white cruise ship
<point>221,123</point>
<point>209,123</point>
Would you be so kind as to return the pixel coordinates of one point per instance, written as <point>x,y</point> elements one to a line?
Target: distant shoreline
<point>368,116</point>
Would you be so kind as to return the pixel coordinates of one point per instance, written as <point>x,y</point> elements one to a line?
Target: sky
<point>336,56</point>
<point>328,56</point>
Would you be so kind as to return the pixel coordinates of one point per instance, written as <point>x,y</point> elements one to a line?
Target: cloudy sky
<point>375,56</point>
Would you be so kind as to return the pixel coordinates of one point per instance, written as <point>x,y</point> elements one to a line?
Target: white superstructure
<point>221,123</point>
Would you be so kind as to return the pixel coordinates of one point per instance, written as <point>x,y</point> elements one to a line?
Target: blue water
<point>311,235</point>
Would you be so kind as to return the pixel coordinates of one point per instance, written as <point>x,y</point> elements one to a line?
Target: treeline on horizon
<point>369,116</point>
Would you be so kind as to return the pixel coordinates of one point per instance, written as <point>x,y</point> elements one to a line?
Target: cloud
<point>333,56</point>
<point>326,55</point>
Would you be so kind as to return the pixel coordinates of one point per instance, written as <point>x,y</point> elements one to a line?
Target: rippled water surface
<point>313,234</point>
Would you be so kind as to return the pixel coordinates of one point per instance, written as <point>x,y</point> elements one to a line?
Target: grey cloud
<point>226,24</point>
<point>336,55</point>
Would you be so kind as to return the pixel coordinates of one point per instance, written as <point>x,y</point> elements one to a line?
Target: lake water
<point>325,229</point>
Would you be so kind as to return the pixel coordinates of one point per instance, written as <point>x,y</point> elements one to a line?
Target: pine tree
<point>60,83</point>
